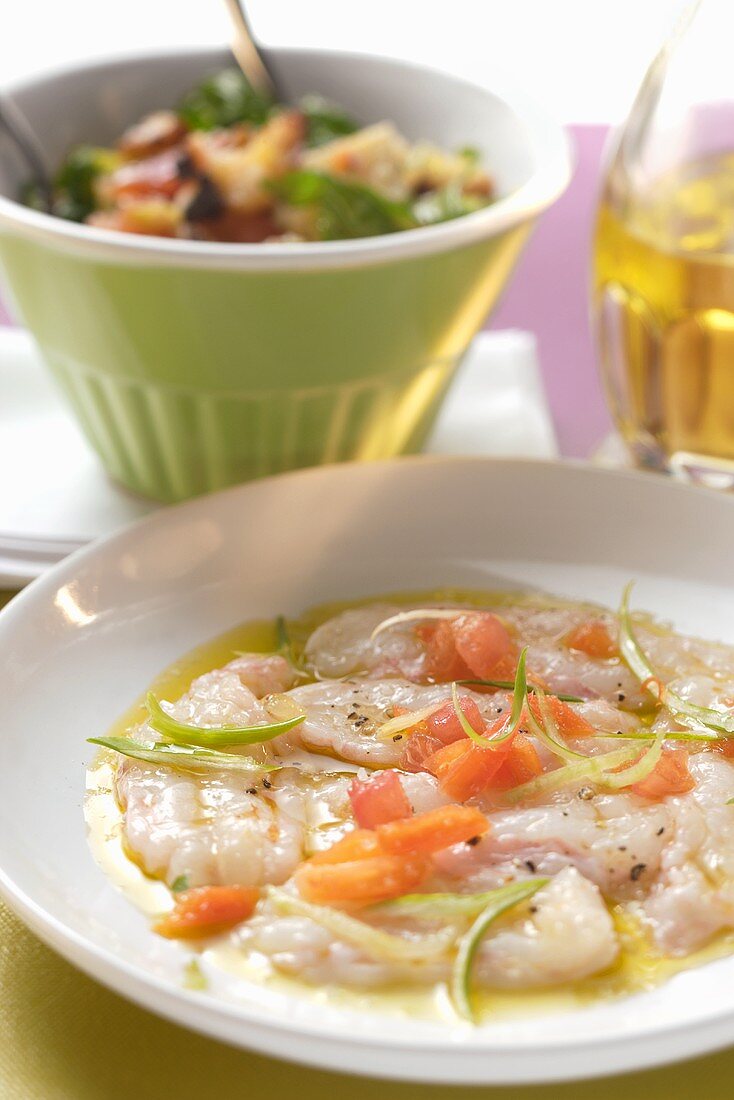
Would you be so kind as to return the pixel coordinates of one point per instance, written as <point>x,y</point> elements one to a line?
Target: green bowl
<point>192,366</point>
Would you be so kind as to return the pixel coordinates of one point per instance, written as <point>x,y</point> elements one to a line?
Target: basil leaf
<point>74,185</point>
<point>325,121</point>
<point>344,210</point>
<point>223,100</point>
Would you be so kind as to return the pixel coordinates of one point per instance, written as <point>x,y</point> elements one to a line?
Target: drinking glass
<point>663,264</point>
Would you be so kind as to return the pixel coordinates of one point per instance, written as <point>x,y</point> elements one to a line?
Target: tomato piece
<point>206,910</point>
<point>361,881</point>
<point>445,725</point>
<point>379,799</point>
<point>593,639</point>
<point>417,750</point>
<point>424,834</point>
<point>669,776</point>
<point>483,643</point>
<point>158,175</point>
<point>443,663</point>
<point>569,723</point>
<point>520,765</point>
<point>359,844</point>
<point>464,769</point>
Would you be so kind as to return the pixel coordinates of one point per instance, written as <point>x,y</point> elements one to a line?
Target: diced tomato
<point>464,769</point>
<point>520,765</point>
<point>443,663</point>
<point>484,644</point>
<point>158,175</point>
<point>433,831</point>
<point>725,746</point>
<point>569,723</point>
<point>445,724</point>
<point>669,776</point>
<point>379,799</point>
<point>361,881</point>
<point>206,910</point>
<point>418,748</point>
<point>593,639</point>
<point>237,227</point>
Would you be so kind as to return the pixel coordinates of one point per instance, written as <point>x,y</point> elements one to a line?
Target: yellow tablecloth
<point>63,1037</point>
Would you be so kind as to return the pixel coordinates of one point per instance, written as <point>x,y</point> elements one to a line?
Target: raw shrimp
<point>565,935</point>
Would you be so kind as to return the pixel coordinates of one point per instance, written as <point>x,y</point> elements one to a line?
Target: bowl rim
<point>547,140</point>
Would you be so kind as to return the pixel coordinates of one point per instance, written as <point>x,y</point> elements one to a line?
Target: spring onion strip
<point>401,722</point>
<point>213,737</point>
<point>641,768</point>
<point>592,769</point>
<point>440,906</point>
<point>504,898</point>
<point>373,941</point>
<point>547,731</point>
<point>183,758</point>
<point>508,685</point>
<point>676,735</point>
<point>416,615</point>
<point>516,713</point>
<point>690,714</point>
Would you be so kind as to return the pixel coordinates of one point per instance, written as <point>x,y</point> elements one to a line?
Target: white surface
<point>96,630</point>
<point>55,496</point>
<point>528,153</point>
<point>583,59</point>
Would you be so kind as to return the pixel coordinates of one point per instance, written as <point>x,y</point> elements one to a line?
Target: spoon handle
<point>15,126</point>
<point>247,52</point>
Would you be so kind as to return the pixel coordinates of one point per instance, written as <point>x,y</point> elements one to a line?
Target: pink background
<point>548,296</point>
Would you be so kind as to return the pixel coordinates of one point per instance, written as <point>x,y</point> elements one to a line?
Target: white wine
<point>663,301</point>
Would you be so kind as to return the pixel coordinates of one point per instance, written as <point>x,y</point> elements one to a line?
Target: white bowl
<point>526,151</point>
<point>81,643</point>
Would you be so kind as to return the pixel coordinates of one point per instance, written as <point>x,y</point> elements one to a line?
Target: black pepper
<point>637,871</point>
<point>267,784</point>
<point>530,866</point>
<point>473,841</point>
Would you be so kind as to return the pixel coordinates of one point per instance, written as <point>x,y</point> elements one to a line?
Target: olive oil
<point>663,300</point>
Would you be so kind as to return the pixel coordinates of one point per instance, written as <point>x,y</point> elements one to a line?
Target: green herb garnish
<point>516,713</point>
<point>450,907</point>
<point>180,884</point>
<point>690,714</point>
<point>213,737</point>
<point>591,769</point>
<point>182,757</point>
<point>343,210</point>
<point>503,899</point>
<point>325,121</point>
<point>445,205</point>
<point>74,184</point>
<point>223,100</point>
<point>508,685</point>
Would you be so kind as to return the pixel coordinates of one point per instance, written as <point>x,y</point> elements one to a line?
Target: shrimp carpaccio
<point>481,793</point>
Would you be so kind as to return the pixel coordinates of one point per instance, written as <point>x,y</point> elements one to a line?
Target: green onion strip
<point>690,714</point>
<point>213,737</point>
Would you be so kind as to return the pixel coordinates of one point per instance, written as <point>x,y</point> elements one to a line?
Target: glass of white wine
<point>663,266</point>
